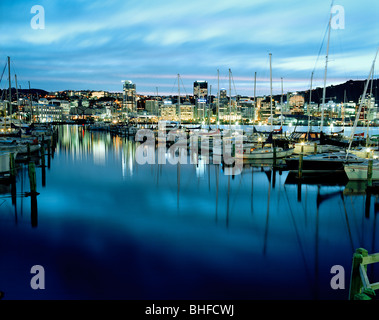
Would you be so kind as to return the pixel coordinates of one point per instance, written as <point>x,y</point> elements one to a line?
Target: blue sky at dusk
<point>97,44</point>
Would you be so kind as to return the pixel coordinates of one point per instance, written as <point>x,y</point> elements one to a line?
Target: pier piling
<point>12,166</point>
<point>43,165</point>
<point>32,178</point>
<point>369,172</point>
<point>28,150</point>
<point>300,171</point>
<point>274,157</point>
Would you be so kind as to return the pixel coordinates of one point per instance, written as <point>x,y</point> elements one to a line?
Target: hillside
<point>353,89</point>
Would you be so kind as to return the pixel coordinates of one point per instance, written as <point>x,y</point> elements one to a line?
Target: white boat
<point>252,151</point>
<point>363,152</point>
<point>5,163</point>
<point>358,171</point>
<point>19,145</point>
<point>313,148</point>
<point>323,162</point>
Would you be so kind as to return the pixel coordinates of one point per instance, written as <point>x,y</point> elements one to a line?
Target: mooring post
<point>369,172</point>
<point>42,155</point>
<point>12,171</point>
<point>32,178</point>
<point>315,148</point>
<point>43,165</point>
<point>28,149</point>
<point>33,210</point>
<point>355,279</point>
<point>12,166</point>
<point>274,157</point>
<point>300,171</point>
<point>48,154</point>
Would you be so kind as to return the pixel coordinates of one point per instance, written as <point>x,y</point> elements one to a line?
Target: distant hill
<point>353,89</point>
<point>23,92</point>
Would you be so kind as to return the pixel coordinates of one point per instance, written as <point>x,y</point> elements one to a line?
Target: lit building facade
<point>129,97</point>
<point>200,89</point>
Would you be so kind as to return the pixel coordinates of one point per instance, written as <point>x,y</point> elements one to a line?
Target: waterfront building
<point>187,112</point>
<point>223,96</point>
<point>296,101</point>
<point>99,94</point>
<point>264,108</point>
<point>129,97</point>
<point>152,107</point>
<point>41,112</point>
<point>201,108</point>
<point>200,89</point>
<point>369,108</point>
<point>247,109</point>
<point>168,111</point>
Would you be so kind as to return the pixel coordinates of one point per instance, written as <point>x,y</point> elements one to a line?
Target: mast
<point>230,100</point>
<point>15,79</point>
<point>369,106</point>
<point>343,109</point>
<point>325,74</point>
<point>10,89</point>
<point>281,107</point>
<point>209,105</point>
<point>179,100</point>
<point>255,96</point>
<point>270,94</point>
<point>30,102</point>
<point>310,101</point>
<point>360,104</point>
<point>158,111</point>
<point>218,95</point>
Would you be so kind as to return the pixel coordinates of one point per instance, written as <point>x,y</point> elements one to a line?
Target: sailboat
<point>5,163</point>
<point>360,171</point>
<point>6,128</point>
<point>270,148</point>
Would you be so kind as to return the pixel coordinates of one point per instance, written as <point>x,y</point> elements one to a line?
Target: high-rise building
<point>129,96</point>
<point>200,89</point>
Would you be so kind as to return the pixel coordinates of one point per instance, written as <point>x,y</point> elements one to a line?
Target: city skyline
<point>95,45</point>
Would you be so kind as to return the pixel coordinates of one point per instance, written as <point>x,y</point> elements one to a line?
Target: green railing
<point>360,286</point>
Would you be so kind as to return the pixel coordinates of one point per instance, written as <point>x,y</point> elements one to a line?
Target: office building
<point>129,97</point>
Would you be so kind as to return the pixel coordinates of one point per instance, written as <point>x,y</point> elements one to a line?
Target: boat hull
<point>265,154</point>
<point>317,164</point>
<point>359,172</point>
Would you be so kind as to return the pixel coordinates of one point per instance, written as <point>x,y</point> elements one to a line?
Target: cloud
<point>102,42</point>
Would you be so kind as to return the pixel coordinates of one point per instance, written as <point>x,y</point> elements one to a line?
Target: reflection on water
<point>104,226</point>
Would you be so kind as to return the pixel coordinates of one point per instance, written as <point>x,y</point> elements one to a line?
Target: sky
<point>94,45</point>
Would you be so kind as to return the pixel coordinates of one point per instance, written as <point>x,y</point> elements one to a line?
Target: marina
<point>136,165</point>
<point>106,227</point>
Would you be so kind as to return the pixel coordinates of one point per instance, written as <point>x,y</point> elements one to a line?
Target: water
<point>107,227</point>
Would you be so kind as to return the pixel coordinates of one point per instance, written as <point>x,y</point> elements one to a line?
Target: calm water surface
<point>107,227</point>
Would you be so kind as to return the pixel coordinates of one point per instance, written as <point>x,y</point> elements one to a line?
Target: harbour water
<point>106,227</point>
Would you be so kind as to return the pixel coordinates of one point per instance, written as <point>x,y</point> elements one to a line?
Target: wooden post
<point>43,155</point>
<point>369,172</point>
<point>32,178</point>
<point>33,210</point>
<point>48,154</point>
<point>315,148</point>
<point>43,165</point>
<point>274,157</point>
<point>355,279</point>
<point>300,171</point>
<point>12,166</point>
<point>28,149</point>
<point>12,170</point>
